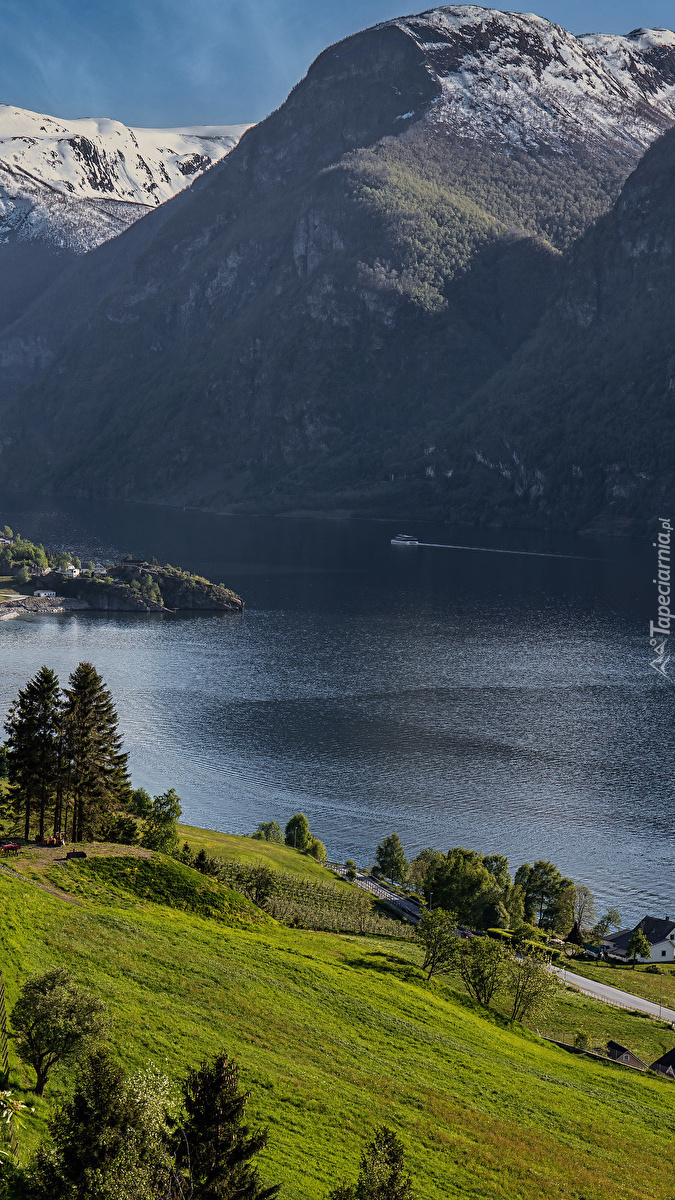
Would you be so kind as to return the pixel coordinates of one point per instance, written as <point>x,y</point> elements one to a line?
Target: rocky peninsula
<point>140,586</point>
<point>43,581</point>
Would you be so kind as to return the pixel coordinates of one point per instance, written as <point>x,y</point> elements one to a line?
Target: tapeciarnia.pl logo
<point>659,630</point>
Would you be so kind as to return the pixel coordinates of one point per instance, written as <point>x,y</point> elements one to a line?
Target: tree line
<point>67,770</point>
<point>297,834</point>
<point>517,971</point>
<point>479,891</point>
<point>138,1137</point>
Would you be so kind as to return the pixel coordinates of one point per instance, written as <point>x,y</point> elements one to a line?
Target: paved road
<point>602,991</point>
<point>408,907</point>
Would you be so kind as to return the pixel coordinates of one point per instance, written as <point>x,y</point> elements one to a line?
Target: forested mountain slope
<point>579,429</point>
<point>336,290</point>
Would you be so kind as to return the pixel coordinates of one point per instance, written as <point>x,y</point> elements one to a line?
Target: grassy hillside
<point>250,850</point>
<point>336,1034</point>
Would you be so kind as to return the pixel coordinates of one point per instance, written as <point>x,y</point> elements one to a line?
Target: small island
<point>34,579</point>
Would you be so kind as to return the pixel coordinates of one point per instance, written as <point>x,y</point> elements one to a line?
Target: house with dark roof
<point>623,1055</point>
<point>665,1065</point>
<point>659,933</point>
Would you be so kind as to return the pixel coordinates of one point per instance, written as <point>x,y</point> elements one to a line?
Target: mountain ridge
<point>337,289</point>
<point>68,186</point>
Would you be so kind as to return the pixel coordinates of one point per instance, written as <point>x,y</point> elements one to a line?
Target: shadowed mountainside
<point>334,293</point>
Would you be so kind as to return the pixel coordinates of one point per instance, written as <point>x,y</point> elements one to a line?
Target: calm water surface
<point>502,702</point>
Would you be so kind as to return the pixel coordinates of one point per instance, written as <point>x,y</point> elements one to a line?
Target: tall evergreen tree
<point>98,781</point>
<point>33,733</point>
<point>214,1147</point>
<point>382,1175</point>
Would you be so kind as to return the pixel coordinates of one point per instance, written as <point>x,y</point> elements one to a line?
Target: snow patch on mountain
<point>523,80</point>
<point>77,183</point>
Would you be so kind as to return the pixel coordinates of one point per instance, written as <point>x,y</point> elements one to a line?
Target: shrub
<point>317,850</point>
<point>269,831</point>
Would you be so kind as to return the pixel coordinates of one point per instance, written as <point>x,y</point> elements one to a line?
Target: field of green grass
<point>574,1013</point>
<point>658,988</point>
<point>335,1035</point>
<point>250,850</point>
<point>7,587</point>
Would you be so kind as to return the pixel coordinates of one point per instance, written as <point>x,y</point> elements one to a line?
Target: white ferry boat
<point>404,539</point>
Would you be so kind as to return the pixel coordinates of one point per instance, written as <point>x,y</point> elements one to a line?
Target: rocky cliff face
<point>305,325</point>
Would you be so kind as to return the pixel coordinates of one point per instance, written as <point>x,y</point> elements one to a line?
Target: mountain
<point>577,430</point>
<point>311,324</point>
<point>68,186</point>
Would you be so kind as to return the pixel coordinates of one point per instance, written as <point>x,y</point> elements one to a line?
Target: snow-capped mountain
<point>74,184</point>
<point>523,80</point>
<point>308,324</point>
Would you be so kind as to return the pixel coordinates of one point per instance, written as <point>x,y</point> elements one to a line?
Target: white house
<point>45,594</point>
<point>71,571</point>
<point>659,933</point>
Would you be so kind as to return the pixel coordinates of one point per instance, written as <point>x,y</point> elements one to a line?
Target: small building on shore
<point>45,594</point>
<point>660,933</point>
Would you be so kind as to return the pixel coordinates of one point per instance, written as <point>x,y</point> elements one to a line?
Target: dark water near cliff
<point>497,701</point>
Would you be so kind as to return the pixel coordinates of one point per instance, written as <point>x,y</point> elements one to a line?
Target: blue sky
<point>183,62</point>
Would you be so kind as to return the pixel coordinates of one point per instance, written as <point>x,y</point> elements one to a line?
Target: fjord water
<point>498,701</point>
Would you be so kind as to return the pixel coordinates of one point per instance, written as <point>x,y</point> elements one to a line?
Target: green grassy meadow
<point>250,850</point>
<point>658,988</point>
<point>335,1035</point>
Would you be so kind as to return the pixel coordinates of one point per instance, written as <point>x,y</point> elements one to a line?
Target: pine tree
<point>381,1176</point>
<point>96,764</point>
<point>33,734</point>
<point>214,1147</point>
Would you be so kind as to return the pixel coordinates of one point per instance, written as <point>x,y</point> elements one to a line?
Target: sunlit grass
<point>337,1034</point>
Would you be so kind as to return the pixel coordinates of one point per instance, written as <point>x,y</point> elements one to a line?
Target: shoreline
<point>35,606</point>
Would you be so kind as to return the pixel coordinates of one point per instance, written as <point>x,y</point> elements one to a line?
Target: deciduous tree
<point>481,963</point>
<point>542,885</point>
<point>462,884</point>
<point>317,850</point>
<point>297,832</point>
<point>54,1020</point>
<point>422,867</point>
<point>638,946</point>
<point>609,920</point>
<point>437,932</point>
<point>531,986</point>
<point>140,803</point>
<point>269,831</point>
<point>391,859</point>
<point>160,830</point>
